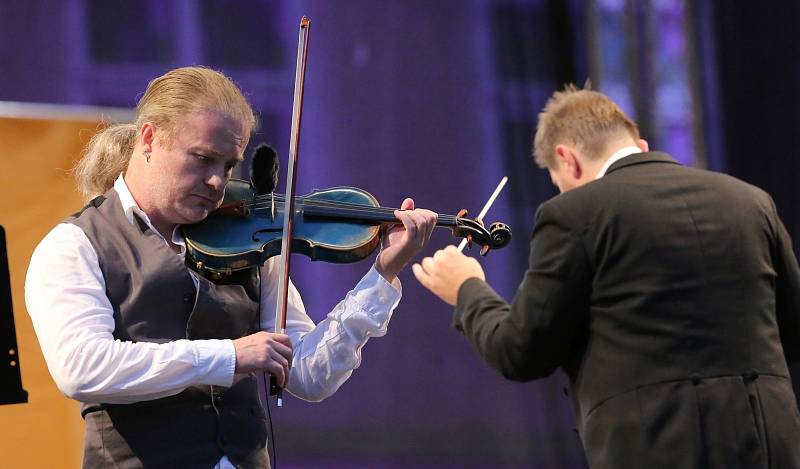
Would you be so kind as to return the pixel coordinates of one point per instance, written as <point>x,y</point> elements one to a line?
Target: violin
<point>339,224</point>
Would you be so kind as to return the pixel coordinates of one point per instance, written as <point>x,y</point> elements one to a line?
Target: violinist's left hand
<point>401,243</point>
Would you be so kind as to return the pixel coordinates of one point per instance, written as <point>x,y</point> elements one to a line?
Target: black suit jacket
<point>670,296</point>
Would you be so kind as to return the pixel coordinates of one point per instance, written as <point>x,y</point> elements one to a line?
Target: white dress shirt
<point>73,319</point>
<point>617,155</point>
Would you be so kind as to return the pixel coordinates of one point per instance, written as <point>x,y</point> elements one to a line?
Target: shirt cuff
<point>216,359</point>
<point>375,296</point>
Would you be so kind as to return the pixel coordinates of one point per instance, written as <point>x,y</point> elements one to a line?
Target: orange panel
<point>36,192</point>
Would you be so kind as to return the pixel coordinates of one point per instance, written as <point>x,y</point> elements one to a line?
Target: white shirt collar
<point>129,206</point>
<point>616,156</point>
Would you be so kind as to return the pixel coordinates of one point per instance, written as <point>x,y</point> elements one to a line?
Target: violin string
<point>323,203</point>
<point>357,210</point>
<point>366,212</point>
<point>331,204</point>
<point>362,208</point>
<point>264,202</point>
<point>353,208</point>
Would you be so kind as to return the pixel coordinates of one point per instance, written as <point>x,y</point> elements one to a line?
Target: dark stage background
<point>438,100</point>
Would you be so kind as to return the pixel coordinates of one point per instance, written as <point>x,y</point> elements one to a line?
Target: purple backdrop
<point>403,98</point>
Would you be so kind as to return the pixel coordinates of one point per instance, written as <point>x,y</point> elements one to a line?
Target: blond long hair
<point>165,103</point>
<point>582,117</point>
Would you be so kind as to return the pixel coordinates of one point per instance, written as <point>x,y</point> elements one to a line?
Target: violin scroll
<point>497,236</point>
<point>500,235</point>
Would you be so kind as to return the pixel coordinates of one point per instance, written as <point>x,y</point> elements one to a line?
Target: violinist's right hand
<point>264,351</point>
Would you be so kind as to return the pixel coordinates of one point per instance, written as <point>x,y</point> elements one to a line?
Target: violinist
<point>162,360</point>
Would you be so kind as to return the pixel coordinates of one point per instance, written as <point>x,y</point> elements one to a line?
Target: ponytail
<point>105,158</point>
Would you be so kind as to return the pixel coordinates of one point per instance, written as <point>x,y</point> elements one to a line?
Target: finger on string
<point>432,225</point>
<point>419,223</point>
<point>424,221</point>
<point>408,223</point>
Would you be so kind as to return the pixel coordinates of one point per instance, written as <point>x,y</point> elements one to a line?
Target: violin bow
<point>485,209</point>
<point>288,215</point>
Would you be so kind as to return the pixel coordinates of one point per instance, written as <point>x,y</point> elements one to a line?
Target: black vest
<point>155,300</point>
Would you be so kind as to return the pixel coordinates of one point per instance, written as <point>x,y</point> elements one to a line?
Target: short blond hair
<point>166,102</point>
<point>581,117</point>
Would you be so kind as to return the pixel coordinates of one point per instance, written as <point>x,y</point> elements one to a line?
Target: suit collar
<point>640,158</point>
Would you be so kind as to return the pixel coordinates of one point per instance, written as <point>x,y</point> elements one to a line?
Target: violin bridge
<point>272,205</point>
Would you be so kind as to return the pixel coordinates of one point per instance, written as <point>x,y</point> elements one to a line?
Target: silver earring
<point>147,156</point>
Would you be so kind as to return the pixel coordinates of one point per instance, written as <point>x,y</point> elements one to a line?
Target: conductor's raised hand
<point>264,351</point>
<point>401,243</point>
<point>444,273</point>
